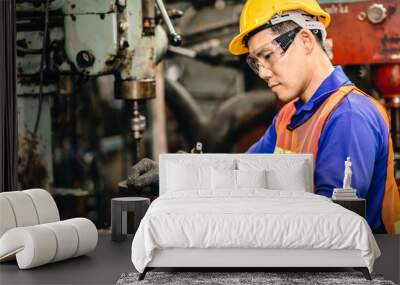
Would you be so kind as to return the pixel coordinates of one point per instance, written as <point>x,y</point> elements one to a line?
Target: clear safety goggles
<point>269,54</point>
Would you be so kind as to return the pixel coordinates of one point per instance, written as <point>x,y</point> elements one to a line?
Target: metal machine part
<point>135,78</point>
<point>386,79</point>
<point>233,119</point>
<point>89,38</point>
<point>381,43</point>
<point>174,37</point>
<point>376,13</point>
<point>210,52</point>
<point>206,32</point>
<point>138,125</point>
<point>218,100</point>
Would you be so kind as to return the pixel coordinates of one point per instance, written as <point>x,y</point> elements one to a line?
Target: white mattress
<point>254,218</point>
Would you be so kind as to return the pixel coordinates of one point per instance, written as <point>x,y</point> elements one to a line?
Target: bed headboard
<point>271,160</point>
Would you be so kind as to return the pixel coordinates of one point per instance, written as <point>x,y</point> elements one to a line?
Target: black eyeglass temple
<point>287,38</point>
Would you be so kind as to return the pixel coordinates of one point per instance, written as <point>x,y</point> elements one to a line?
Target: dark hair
<point>287,26</point>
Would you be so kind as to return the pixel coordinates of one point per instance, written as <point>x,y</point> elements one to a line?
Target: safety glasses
<point>269,54</point>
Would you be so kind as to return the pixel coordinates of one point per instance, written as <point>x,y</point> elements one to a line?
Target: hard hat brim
<point>236,46</point>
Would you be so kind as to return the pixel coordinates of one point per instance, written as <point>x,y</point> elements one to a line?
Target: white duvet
<point>250,219</point>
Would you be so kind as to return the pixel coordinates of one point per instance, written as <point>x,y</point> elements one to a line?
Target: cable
<point>46,25</point>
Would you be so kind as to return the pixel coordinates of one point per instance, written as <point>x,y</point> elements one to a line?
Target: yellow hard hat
<point>256,13</point>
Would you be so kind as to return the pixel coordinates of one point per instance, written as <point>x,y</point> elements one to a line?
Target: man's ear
<point>307,40</point>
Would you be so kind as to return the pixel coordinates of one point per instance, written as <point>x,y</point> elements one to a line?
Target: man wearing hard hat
<point>325,114</point>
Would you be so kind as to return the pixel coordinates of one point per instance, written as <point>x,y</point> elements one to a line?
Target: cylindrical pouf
<point>37,245</point>
<point>23,208</point>
<point>87,235</point>
<point>33,246</point>
<point>45,205</point>
<point>67,240</point>
<point>7,218</point>
<point>119,209</point>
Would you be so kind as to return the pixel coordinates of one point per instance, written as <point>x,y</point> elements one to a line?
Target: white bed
<point>206,219</point>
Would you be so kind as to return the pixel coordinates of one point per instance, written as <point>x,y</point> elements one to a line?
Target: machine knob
<point>85,59</point>
<point>376,13</point>
<point>175,39</point>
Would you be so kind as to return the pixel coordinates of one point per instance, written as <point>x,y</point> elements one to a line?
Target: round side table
<point>119,217</point>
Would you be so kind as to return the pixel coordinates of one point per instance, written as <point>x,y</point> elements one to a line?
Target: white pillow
<point>181,177</point>
<point>223,179</point>
<point>251,178</point>
<point>281,173</point>
<point>292,179</point>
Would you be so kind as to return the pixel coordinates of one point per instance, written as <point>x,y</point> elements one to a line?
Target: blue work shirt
<point>356,129</point>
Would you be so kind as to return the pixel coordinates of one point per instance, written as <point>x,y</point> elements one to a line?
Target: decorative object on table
<point>346,192</point>
<point>119,215</point>
<point>347,174</point>
<point>243,278</point>
<point>31,230</point>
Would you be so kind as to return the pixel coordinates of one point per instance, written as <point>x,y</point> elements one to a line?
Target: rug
<point>243,278</point>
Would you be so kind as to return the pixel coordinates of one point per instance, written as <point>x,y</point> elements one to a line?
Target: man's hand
<point>143,174</point>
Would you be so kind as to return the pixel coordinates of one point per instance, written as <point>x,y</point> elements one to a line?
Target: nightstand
<point>356,205</point>
<point>120,207</point>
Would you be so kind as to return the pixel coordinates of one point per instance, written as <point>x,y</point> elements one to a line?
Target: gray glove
<point>143,174</point>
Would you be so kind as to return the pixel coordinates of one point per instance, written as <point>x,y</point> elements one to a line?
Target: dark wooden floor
<point>110,259</point>
<point>103,266</point>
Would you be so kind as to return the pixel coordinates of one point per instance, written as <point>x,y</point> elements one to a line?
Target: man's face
<point>286,74</point>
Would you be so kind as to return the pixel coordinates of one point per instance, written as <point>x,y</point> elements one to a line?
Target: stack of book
<point>344,194</point>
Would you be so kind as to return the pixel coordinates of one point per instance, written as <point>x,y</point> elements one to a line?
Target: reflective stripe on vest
<point>304,139</point>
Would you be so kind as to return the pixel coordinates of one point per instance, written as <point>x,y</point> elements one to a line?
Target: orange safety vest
<point>304,139</point>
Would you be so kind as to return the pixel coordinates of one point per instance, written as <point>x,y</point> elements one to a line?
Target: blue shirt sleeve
<point>356,129</point>
<point>266,144</point>
<point>345,134</point>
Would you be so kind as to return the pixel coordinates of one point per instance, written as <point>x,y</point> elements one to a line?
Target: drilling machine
<point>367,34</point>
<point>89,38</point>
